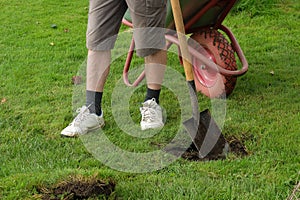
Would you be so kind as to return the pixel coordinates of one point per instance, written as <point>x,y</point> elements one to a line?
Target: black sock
<point>152,94</point>
<point>93,101</point>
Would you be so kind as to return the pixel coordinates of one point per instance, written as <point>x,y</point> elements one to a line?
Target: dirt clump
<point>77,189</point>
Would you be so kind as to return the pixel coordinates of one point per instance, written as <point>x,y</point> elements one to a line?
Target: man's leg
<point>90,117</point>
<point>98,64</point>
<point>155,66</point>
<point>148,19</point>
<point>104,21</point>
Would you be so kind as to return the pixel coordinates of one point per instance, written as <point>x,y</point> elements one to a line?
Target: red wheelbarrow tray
<point>198,16</point>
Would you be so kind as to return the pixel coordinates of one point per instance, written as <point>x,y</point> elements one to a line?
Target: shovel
<point>205,134</point>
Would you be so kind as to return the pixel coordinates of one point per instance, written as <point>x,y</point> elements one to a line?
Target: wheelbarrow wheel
<point>218,49</point>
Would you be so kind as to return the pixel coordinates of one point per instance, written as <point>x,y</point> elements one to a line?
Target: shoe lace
<point>148,114</point>
<point>82,114</point>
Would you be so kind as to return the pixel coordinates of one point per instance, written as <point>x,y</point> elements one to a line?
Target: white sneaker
<point>83,123</point>
<point>151,115</point>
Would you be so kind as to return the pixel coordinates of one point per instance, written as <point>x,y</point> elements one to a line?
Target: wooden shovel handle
<point>186,57</point>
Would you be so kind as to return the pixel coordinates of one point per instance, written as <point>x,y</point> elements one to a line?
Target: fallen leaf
<point>66,30</point>
<point>3,100</point>
<point>76,80</point>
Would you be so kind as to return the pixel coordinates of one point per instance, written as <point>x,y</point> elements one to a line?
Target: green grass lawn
<point>38,61</point>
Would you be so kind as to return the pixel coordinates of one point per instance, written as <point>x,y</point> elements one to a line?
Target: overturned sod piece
<point>77,188</point>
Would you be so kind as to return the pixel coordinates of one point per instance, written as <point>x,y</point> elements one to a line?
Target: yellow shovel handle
<point>186,57</point>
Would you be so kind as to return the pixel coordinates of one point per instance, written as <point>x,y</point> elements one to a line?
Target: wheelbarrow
<point>203,22</point>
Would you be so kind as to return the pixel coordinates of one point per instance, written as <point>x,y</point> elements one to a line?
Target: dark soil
<point>235,145</point>
<point>76,189</point>
<point>209,143</point>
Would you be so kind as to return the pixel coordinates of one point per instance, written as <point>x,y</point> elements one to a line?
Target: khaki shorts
<point>105,17</point>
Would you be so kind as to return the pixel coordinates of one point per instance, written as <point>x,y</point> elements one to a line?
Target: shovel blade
<point>206,137</point>
<point>191,127</point>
